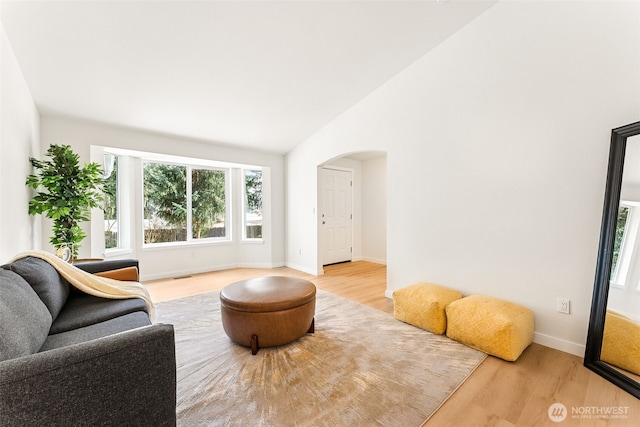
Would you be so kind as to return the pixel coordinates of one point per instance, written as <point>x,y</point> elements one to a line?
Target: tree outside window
<point>253,204</point>
<point>621,226</point>
<point>177,210</point>
<point>165,203</point>
<point>208,209</point>
<point>110,189</point>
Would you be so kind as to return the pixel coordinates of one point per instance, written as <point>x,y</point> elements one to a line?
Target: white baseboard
<point>559,344</point>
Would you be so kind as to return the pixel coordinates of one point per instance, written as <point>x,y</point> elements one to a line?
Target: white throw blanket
<point>94,285</point>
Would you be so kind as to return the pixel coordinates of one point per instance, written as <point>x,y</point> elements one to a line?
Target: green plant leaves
<point>67,193</point>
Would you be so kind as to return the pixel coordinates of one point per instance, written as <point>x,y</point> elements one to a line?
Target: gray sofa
<point>69,358</point>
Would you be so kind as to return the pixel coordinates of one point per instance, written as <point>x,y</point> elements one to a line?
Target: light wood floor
<point>498,393</point>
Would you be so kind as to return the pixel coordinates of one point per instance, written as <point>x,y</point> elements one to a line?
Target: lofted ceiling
<point>259,74</point>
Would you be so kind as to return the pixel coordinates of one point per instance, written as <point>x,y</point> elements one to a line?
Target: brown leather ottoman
<point>268,311</point>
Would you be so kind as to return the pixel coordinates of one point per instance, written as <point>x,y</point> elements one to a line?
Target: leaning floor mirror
<point>613,340</point>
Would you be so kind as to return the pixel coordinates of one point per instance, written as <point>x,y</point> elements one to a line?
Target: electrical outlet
<point>564,305</point>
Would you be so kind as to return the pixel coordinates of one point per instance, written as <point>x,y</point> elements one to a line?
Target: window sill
<point>178,245</point>
<point>253,241</point>
<point>111,253</point>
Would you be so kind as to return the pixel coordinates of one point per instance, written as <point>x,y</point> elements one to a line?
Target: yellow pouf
<point>500,328</point>
<point>423,305</point>
<point>621,342</point>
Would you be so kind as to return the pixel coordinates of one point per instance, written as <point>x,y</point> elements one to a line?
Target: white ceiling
<point>261,74</point>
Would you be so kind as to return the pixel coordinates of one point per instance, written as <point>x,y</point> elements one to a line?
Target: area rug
<point>361,367</point>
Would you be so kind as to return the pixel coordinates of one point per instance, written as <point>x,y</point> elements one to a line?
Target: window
<point>252,204</point>
<point>621,227</point>
<point>177,210</point>
<point>627,234</point>
<point>208,205</point>
<point>111,212</point>
<point>158,201</point>
<point>165,203</point>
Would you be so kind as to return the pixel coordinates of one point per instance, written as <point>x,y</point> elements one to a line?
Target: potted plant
<point>68,192</point>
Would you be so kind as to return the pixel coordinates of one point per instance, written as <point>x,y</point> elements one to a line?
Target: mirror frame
<point>603,266</point>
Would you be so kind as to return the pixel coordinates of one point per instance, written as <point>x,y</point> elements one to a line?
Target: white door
<point>336,215</point>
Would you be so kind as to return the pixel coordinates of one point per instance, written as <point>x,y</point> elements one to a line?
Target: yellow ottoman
<point>500,328</point>
<point>621,342</point>
<point>423,305</point>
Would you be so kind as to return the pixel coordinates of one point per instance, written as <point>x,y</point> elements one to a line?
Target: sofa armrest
<point>120,269</point>
<point>123,379</point>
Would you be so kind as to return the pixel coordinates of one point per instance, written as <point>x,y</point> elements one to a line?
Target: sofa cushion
<point>52,288</point>
<point>98,330</point>
<point>24,319</point>
<point>83,310</point>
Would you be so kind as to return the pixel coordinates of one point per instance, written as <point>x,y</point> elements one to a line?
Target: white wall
<point>157,262</point>
<point>498,141</point>
<point>19,139</point>
<point>374,210</point>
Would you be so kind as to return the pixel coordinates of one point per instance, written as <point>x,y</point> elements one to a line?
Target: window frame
<point>620,274</point>
<point>227,206</point>
<point>189,239</point>
<point>243,172</point>
<point>118,204</point>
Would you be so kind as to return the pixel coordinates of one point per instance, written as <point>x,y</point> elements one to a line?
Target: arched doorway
<point>365,203</point>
